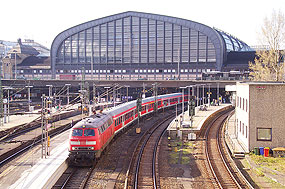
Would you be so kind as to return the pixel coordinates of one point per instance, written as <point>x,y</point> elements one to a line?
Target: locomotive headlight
<point>90,142</point>
<point>74,142</point>
<point>73,148</point>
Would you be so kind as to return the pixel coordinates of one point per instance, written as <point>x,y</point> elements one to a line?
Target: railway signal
<point>191,105</point>
<point>139,104</point>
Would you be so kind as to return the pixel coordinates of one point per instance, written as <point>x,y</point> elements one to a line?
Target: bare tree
<point>268,65</point>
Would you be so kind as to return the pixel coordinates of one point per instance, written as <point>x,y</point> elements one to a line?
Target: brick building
<point>260,114</point>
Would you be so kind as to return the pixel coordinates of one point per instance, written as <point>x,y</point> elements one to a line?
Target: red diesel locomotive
<point>89,137</point>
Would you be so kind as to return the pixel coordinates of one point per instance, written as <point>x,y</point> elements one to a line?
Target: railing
<point>123,77</point>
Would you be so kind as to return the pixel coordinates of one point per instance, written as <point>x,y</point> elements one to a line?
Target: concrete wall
<point>267,110</point>
<point>242,115</point>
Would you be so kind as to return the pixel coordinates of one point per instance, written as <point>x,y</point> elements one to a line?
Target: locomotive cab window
<point>89,132</point>
<point>77,132</point>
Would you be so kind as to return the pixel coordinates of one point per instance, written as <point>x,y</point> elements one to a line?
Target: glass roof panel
<point>233,43</point>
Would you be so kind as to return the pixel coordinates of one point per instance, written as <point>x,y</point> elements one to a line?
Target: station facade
<point>135,45</point>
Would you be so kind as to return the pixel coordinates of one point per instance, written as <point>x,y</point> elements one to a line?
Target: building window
<point>240,126</point>
<point>237,101</point>
<point>246,105</point>
<point>245,131</point>
<point>264,134</point>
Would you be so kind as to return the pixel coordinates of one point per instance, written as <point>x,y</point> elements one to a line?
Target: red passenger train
<point>89,137</point>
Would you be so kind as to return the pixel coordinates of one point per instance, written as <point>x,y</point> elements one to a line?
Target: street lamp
<point>218,92</point>
<point>209,94</point>
<point>114,96</point>
<point>189,92</point>
<point>155,97</point>
<point>49,90</point>
<point>198,98</point>
<point>15,53</point>
<point>107,94</point>
<point>182,102</point>
<point>29,96</point>
<point>67,92</point>
<point>8,100</point>
<point>127,92</point>
<point>203,97</point>
<point>192,86</point>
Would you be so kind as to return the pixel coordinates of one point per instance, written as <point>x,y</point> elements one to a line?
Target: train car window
<point>109,122</point>
<point>77,132</point>
<point>165,102</point>
<point>89,132</point>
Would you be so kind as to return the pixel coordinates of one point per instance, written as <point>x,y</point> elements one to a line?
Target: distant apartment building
<point>260,114</point>
<point>24,60</point>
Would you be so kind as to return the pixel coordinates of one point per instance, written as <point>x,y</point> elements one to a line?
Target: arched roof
<point>212,34</point>
<point>232,43</point>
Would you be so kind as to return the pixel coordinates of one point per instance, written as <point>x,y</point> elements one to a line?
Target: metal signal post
<point>44,125</point>
<point>191,108</point>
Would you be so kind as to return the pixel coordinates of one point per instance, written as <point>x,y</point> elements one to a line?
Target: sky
<point>43,20</point>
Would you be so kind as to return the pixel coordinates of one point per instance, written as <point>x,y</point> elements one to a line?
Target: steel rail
<point>142,149</point>
<point>220,153</point>
<point>154,159</point>
<point>207,154</point>
<point>141,152</point>
<point>222,156</point>
<point>67,179</point>
<point>36,141</point>
<point>230,157</point>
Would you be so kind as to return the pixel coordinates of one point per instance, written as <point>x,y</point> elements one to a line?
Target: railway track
<point>22,140</point>
<point>101,175</point>
<point>145,171</point>
<point>74,177</point>
<point>225,172</point>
